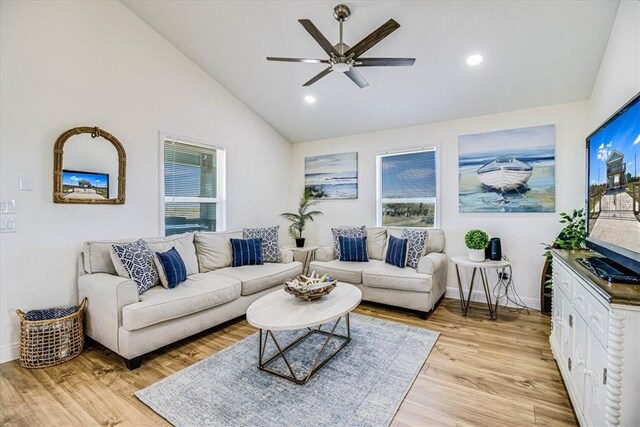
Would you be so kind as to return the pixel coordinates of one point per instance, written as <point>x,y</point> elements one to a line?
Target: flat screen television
<point>85,185</point>
<point>613,193</point>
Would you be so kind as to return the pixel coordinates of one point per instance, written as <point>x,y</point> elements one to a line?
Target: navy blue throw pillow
<point>353,249</point>
<point>397,252</point>
<point>246,252</point>
<point>171,270</point>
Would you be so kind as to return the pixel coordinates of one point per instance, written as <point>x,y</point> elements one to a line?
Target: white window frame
<point>380,200</point>
<point>221,187</point>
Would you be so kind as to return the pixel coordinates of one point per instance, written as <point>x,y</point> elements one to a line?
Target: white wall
<point>521,234</point>
<point>67,64</point>
<point>619,76</point>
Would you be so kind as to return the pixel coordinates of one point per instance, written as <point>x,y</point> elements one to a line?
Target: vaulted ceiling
<point>535,53</point>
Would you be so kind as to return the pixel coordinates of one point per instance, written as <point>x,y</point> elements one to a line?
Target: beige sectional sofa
<point>417,289</point>
<point>133,325</point>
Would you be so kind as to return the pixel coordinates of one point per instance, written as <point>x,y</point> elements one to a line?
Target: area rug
<point>363,385</point>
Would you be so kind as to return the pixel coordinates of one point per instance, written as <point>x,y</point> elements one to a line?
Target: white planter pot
<point>476,255</point>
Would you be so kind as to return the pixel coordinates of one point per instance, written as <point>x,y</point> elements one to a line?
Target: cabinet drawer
<point>562,278</point>
<point>598,319</point>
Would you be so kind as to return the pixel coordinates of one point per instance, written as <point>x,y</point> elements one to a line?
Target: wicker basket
<point>50,342</point>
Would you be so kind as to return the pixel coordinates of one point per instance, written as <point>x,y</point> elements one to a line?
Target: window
<point>407,189</point>
<point>193,187</point>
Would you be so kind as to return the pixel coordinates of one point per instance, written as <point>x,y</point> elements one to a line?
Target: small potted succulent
<point>476,241</point>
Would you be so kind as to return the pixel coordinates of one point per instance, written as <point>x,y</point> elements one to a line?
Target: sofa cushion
<point>171,268</point>
<point>199,292</point>
<point>270,241</point>
<point>353,249</point>
<point>246,252</point>
<point>347,232</point>
<point>376,240</point>
<point>397,252</point>
<point>214,249</point>
<point>350,272</point>
<point>135,261</point>
<point>435,241</point>
<point>255,278</point>
<point>416,244</point>
<point>97,253</point>
<point>184,244</point>
<point>386,276</point>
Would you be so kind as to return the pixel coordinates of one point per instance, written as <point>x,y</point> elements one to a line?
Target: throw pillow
<point>397,252</point>
<point>137,260</point>
<point>417,240</point>
<point>346,232</point>
<point>246,252</point>
<point>353,249</point>
<point>171,268</point>
<point>270,242</point>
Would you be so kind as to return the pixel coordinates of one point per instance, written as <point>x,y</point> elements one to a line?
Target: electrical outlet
<point>8,206</point>
<point>8,224</point>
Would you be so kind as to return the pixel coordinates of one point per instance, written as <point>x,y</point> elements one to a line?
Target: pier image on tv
<point>614,181</point>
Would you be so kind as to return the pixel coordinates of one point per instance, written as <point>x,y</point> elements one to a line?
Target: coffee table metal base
<point>318,362</point>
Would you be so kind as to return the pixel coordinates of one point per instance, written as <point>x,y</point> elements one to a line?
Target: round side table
<point>481,268</point>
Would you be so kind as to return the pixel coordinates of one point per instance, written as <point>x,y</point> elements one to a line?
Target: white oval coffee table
<point>279,311</point>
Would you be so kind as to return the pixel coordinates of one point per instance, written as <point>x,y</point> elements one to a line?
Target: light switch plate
<point>24,183</point>
<point>8,206</point>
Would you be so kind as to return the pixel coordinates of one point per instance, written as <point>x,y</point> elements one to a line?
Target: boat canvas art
<point>332,176</point>
<point>507,171</point>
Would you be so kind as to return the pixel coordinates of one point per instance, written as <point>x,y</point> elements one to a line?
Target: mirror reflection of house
<point>616,169</point>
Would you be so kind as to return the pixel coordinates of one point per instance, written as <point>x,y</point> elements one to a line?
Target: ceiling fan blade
<point>357,78</point>
<point>319,37</point>
<point>305,60</point>
<point>372,39</point>
<point>318,76</point>
<point>384,62</point>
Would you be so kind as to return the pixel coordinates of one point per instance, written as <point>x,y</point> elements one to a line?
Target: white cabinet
<point>597,347</point>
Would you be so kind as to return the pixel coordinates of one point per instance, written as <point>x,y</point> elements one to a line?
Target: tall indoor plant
<point>476,241</point>
<point>299,220</point>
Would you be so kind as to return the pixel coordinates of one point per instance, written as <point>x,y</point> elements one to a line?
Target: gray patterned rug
<point>363,385</point>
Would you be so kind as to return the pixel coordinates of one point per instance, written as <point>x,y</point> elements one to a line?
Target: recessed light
<point>474,60</point>
<point>310,99</point>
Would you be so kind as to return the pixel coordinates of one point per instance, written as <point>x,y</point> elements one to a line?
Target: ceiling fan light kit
<point>343,58</point>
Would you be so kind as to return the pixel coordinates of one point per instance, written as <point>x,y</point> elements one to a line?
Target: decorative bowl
<point>309,288</point>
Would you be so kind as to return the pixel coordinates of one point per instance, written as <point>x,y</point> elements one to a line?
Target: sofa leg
<point>133,363</point>
<point>424,315</point>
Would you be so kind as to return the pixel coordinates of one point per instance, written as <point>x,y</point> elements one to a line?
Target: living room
<point>149,72</point>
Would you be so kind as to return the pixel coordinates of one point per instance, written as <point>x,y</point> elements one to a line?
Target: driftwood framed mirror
<point>73,184</point>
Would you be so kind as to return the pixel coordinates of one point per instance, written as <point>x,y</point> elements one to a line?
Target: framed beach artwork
<point>508,171</point>
<point>332,176</point>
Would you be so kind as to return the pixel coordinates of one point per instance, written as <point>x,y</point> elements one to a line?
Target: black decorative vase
<point>300,243</point>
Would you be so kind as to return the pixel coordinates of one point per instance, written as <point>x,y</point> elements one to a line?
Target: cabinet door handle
<point>571,320</point>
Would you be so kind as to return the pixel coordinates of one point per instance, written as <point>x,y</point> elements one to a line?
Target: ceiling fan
<point>343,58</point>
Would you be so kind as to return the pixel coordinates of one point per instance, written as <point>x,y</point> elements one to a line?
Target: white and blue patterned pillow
<point>417,241</point>
<point>138,261</point>
<point>270,242</point>
<point>346,232</point>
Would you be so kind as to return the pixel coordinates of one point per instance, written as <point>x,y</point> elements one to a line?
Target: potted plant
<point>476,241</point>
<point>299,220</point>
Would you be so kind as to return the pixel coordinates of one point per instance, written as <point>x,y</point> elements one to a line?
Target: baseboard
<point>9,352</point>
<point>479,296</point>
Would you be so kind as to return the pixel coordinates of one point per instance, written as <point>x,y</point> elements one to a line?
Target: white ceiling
<point>536,53</point>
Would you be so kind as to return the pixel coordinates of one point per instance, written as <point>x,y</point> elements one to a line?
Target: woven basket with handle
<point>50,342</point>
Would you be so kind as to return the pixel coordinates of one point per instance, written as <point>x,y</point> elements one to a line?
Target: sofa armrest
<point>431,263</point>
<point>325,253</point>
<point>287,255</point>
<point>107,294</point>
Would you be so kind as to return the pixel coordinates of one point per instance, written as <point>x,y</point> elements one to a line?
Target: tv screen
<point>613,187</point>
<point>85,185</point>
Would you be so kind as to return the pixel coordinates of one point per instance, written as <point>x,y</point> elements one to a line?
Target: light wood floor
<point>480,372</point>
